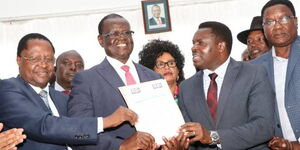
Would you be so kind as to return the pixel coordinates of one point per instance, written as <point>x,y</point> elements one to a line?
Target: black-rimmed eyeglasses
<point>161,64</point>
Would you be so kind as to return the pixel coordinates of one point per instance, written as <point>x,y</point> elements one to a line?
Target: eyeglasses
<point>161,64</point>
<point>283,20</point>
<point>36,60</point>
<point>118,34</point>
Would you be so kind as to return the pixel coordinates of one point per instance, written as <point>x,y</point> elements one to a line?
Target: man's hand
<point>10,138</point>
<point>196,132</point>
<point>278,143</point>
<point>139,140</point>
<point>180,142</point>
<point>121,115</point>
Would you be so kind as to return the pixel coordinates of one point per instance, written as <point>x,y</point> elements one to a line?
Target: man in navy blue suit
<point>28,102</point>
<point>95,91</point>
<point>156,19</point>
<point>283,65</point>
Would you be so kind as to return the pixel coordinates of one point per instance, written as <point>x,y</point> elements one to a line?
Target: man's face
<point>67,65</point>
<point>36,64</point>
<point>115,41</point>
<point>205,51</point>
<point>282,33</point>
<point>156,11</point>
<point>256,43</point>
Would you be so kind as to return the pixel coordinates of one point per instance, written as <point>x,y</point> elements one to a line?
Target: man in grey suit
<point>238,112</point>
<point>283,66</point>
<point>95,91</point>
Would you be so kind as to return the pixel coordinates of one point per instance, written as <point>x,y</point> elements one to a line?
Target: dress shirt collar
<point>220,71</point>
<point>57,87</point>
<point>38,89</point>
<point>117,64</point>
<point>276,58</point>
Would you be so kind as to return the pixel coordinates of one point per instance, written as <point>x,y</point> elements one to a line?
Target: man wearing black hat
<point>282,62</point>
<point>254,38</point>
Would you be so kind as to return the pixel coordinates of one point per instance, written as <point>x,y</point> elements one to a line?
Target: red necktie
<point>67,92</point>
<point>129,78</point>
<point>212,95</point>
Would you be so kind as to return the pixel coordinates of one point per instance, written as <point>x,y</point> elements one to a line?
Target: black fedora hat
<point>256,24</point>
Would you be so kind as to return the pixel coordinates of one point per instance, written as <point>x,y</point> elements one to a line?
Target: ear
<point>100,40</point>
<point>19,60</point>
<point>222,46</point>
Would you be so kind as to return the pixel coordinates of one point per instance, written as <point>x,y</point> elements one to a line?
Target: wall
<point>72,24</point>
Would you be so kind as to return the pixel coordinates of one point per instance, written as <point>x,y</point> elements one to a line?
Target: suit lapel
<point>32,95</point>
<point>293,59</point>
<point>58,102</point>
<point>227,85</point>
<point>109,74</point>
<point>141,73</point>
<point>269,65</point>
<point>200,105</point>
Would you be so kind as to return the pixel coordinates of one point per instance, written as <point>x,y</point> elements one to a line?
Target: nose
<point>277,24</point>
<point>73,67</point>
<point>193,48</point>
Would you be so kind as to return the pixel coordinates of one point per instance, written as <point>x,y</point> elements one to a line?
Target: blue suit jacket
<point>245,112</point>
<point>153,22</point>
<point>22,107</point>
<point>95,93</point>
<point>292,86</point>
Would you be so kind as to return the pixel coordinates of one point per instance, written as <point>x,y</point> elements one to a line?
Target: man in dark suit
<point>156,19</point>
<point>227,104</point>
<point>283,66</point>
<point>67,64</point>
<point>28,102</point>
<point>95,91</point>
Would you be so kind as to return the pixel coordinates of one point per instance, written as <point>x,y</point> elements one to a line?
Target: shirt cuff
<point>100,125</point>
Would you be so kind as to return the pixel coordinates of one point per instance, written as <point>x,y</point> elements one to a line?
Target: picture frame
<point>156,16</point>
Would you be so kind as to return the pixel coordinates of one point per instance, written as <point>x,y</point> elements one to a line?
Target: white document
<point>158,113</point>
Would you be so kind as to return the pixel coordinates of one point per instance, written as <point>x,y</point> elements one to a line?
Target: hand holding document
<point>158,113</point>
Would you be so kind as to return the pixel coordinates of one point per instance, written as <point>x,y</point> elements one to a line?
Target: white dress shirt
<point>220,71</point>
<point>57,87</point>
<point>280,68</point>
<point>117,66</point>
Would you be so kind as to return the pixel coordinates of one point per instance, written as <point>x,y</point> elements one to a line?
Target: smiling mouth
<point>255,51</point>
<point>121,45</point>
<point>195,57</point>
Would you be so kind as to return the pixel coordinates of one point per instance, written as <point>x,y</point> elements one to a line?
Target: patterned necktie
<point>43,94</point>
<point>212,95</point>
<point>67,92</point>
<point>129,78</point>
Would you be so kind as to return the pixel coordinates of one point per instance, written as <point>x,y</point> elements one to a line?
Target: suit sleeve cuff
<point>99,124</point>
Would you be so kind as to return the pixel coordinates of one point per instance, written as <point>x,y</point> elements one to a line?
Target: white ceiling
<point>14,10</point>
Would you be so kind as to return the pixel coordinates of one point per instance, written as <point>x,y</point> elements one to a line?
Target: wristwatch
<point>214,137</point>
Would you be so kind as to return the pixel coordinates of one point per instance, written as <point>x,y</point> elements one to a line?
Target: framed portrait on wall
<point>156,16</point>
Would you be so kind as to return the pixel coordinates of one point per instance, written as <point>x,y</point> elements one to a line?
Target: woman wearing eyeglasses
<point>165,58</point>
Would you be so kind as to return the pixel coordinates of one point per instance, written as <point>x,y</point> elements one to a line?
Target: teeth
<point>255,51</point>
<point>121,45</point>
